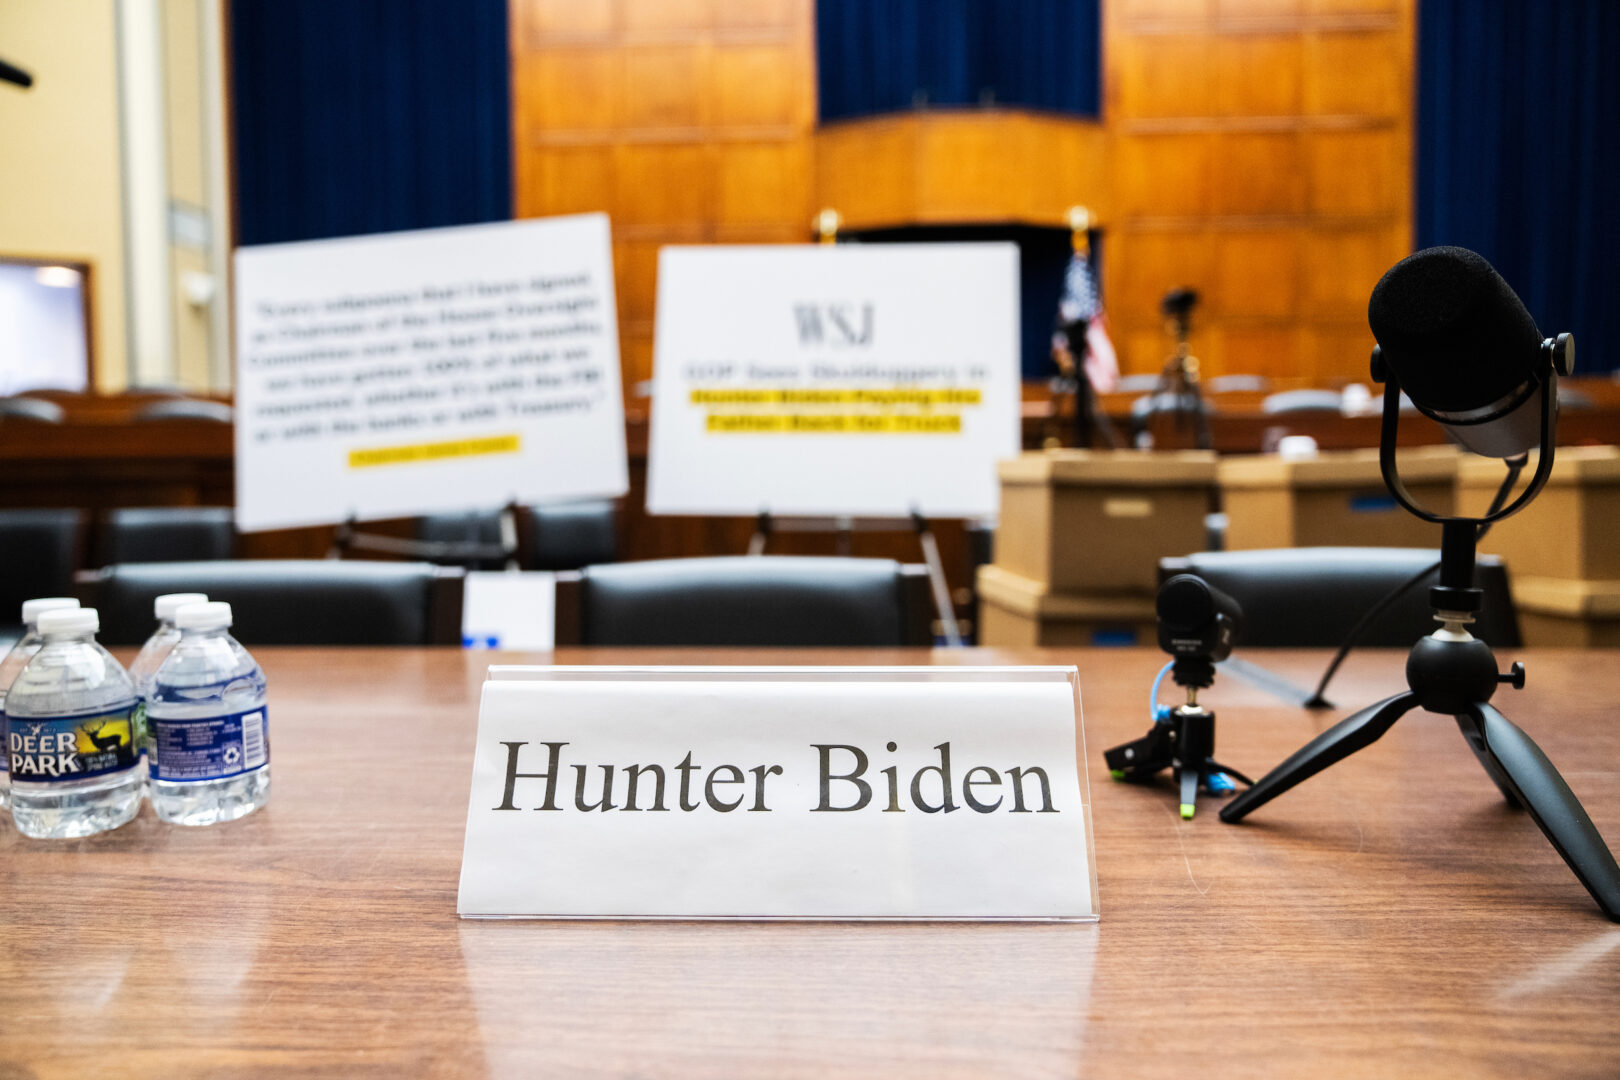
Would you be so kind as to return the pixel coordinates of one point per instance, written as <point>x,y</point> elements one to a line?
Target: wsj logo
<point>838,326</point>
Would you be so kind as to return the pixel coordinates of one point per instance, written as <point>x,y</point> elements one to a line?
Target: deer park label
<point>42,749</point>
<point>814,793</point>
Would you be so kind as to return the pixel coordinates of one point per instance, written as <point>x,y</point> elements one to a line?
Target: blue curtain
<point>1518,135</point>
<point>878,56</point>
<point>362,116</point>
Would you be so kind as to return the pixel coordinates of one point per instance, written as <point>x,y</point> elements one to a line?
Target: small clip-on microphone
<point>1198,625</point>
<point>1456,338</point>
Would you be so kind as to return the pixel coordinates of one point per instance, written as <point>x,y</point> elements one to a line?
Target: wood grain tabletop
<point>1389,917</point>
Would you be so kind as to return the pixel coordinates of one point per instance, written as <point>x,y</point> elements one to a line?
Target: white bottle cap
<point>166,605</point>
<point>74,620</point>
<point>209,616</point>
<point>33,609</point>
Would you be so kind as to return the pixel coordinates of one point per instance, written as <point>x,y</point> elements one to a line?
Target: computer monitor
<point>44,325</point>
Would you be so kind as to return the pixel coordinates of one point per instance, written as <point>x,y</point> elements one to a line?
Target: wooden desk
<point>1389,917</point>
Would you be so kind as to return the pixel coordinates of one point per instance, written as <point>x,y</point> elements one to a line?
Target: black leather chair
<point>1233,384</point>
<point>39,550</point>
<point>774,600</point>
<point>25,408</point>
<point>559,536</point>
<point>1312,596</point>
<point>478,527</point>
<point>289,601</point>
<point>1303,401</point>
<point>167,534</point>
<point>209,412</point>
<point>568,536</point>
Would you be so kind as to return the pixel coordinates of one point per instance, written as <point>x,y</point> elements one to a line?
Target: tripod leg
<point>1552,805</point>
<point>1335,744</point>
<point>1476,742</point>
<point>1189,789</point>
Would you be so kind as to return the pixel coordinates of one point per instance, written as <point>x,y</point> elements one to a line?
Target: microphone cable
<point>1515,466</point>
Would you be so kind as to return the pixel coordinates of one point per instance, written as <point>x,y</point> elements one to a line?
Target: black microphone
<point>13,74</point>
<point>1461,344</point>
<point>1197,621</point>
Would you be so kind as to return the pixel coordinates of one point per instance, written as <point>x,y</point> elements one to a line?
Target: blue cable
<point>1159,713</point>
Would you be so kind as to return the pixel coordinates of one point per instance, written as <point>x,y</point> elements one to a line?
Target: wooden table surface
<point>1389,917</point>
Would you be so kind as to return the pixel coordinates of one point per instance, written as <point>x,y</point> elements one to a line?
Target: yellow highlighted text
<point>440,451</point>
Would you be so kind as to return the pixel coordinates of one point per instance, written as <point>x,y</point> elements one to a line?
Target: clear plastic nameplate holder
<point>864,793</point>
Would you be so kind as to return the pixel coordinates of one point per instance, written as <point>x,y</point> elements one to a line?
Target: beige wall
<point>188,184</point>
<point>60,193</point>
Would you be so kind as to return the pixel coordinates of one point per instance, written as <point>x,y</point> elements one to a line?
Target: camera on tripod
<point>1177,306</point>
<point>1198,627</point>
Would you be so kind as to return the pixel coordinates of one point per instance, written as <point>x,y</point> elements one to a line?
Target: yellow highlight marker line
<point>916,397</point>
<point>831,424</point>
<point>416,453</point>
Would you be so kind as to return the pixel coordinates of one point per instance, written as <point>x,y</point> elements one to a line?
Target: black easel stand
<point>348,538</point>
<point>1182,739</point>
<point>1452,672</point>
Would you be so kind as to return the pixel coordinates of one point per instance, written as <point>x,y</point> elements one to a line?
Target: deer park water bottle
<point>151,657</point>
<point>157,647</point>
<point>20,654</point>
<point>70,719</point>
<point>209,756</point>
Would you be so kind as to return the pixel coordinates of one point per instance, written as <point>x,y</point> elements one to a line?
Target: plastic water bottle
<point>156,649</point>
<point>205,712</point>
<point>151,657</point>
<point>20,654</point>
<point>70,718</point>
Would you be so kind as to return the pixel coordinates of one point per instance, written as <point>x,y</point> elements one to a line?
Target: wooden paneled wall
<point>1261,152</point>
<point>952,167</point>
<point>687,121</point>
<point>1256,150</point>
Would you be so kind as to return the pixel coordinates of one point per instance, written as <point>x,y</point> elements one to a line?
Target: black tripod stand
<point>1452,672</point>
<point>1182,739</point>
<point>1177,391</point>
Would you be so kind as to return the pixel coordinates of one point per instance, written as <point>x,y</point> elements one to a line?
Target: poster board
<point>865,380</point>
<point>419,372</point>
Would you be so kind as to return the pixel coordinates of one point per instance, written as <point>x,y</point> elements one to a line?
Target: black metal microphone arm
<point>1459,536</point>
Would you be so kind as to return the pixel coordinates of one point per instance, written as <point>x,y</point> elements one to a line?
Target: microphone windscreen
<point>1187,603</point>
<point>1455,334</point>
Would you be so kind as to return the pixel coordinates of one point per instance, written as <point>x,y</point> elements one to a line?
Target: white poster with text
<point>417,372</point>
<point>868,380</point>
<point>785,793</point>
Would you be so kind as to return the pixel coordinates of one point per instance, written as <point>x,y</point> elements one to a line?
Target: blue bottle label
<point>207,747</point>
<point>52,749</point>
<point>5,743</point>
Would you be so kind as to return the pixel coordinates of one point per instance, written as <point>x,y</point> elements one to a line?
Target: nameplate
<point>779,793</point>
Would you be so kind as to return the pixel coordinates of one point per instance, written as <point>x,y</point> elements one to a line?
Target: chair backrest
<point>568,536</point>
<point>775,600</point>
<point>1144,408</point>
<point>559,536</point>
<point>1137,384</point>
<point>167,534</point>
<point>212,412</point>
<point>1301,401</point>
<point>475,527</point>
<point>290,601</point>
<point>1312,596</point>
<point>23,408</point>
<point>39,550</point>
<point>1232,384</point>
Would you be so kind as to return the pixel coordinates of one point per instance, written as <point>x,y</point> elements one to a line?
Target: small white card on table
<point>779,793</point>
